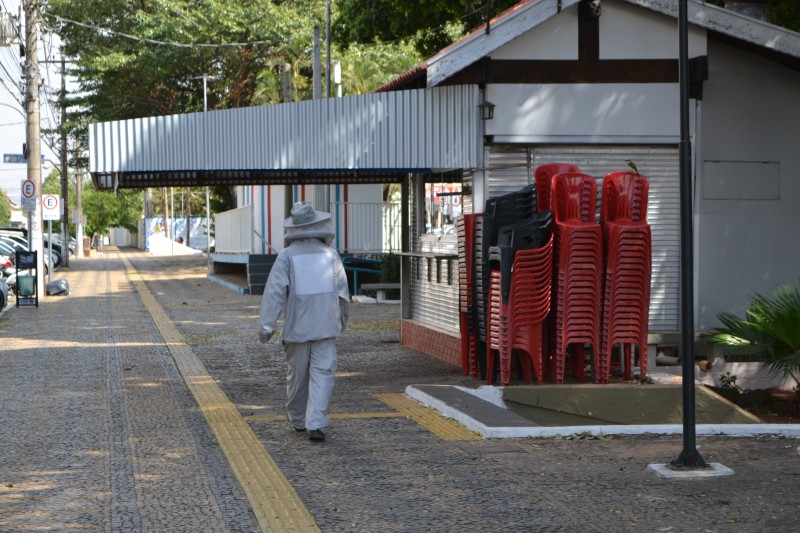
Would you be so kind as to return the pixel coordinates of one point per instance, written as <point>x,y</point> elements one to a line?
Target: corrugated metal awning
<point>372,138</point>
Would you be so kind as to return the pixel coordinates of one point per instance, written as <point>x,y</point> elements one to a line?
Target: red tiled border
<point>442,345</point>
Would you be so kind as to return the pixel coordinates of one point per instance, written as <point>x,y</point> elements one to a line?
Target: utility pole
<point>328,49</point>
<point>288,197</point>
<point>208,190</point>
<point>33,151</point>
<point>317,65</point>
<point>79,209</point>
<point>205,77</point>
<point>64,175</point>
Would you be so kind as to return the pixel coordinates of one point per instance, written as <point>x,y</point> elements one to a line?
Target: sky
<point>12,119</point>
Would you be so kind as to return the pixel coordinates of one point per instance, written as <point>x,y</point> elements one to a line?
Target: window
<point>441,207</point>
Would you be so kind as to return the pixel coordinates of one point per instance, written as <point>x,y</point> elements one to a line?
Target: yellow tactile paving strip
<point>406,407</point>
<point>428,418</point>
<point>339,416</point>
<point>276,505</point>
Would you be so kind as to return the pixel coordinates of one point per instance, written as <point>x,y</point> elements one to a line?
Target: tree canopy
<point>429,24</point>
<point>5,208</point>
<point>147,58</point>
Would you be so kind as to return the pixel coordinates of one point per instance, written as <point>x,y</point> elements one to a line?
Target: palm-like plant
<point>771,327</point>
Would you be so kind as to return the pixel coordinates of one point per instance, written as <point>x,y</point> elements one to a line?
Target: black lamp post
<point>689,457</point>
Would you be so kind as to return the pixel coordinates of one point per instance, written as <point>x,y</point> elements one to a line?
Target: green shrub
<point>390,273</point>
<point>771,328</point>
<point>390,268</point>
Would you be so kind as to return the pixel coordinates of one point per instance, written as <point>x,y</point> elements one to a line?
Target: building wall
<point>268,212</point>
<point>630,32</point>
<point>748,193</point>
<point>444,345</point>
<point>585,113</point>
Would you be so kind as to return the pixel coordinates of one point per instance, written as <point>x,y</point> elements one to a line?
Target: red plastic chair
<point>627,258</point>
<point>465,231</point>
<point>578,265</point>
<point>496,325</point>
<point>626,299</point>
<point>517,323</point>
<point>624,197</point>
<point>543,176</point>
<point>529,305</point>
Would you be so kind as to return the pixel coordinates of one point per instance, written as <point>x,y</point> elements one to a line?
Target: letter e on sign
<point>50,204</point>
<point>28,189</point>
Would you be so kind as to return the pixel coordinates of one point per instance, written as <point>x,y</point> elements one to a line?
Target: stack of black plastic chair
<point>480,292</point>
<point>519,296</point>
<point>500,211</point>
<point>526,235</point>
<point>465,230</point>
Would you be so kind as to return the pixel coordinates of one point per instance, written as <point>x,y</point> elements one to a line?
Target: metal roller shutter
<point>658,163</point>
<point>434,301</point>
<point>509,170</point>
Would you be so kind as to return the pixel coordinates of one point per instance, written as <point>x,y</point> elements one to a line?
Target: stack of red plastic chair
<point>527,308</point>
<point>543,177</point>
<point>465,230</point>
<point>496,326</point>
<point>627,258</point>
<point>516,315</point>
<point>579,262</point>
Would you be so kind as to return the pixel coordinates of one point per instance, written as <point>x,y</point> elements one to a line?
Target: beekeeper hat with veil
<point>305,223</point>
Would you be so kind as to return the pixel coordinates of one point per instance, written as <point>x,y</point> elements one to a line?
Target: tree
<point>5,208</point>
<point>785,13</point>
<point>137,59</point>
<point>105,209</point>
<point>429,25</point>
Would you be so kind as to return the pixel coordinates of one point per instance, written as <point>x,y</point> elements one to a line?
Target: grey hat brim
<point>319,216</point>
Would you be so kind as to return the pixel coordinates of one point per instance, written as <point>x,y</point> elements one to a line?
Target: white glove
<point>264,337</point>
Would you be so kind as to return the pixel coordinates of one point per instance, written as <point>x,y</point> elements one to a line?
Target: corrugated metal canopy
<point>372,138</point>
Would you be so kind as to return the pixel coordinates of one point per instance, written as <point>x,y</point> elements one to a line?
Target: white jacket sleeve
<point>273,302</point>
<point>344,294</point>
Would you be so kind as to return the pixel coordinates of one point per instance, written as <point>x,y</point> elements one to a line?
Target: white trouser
<point>311,377</point>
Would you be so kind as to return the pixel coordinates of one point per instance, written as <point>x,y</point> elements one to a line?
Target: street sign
<point>28,189</point>
<point>28,195</point>
<point>50,204</point>
<point>17,159</point>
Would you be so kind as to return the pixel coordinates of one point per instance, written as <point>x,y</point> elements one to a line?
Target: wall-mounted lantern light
<point>487,110</point>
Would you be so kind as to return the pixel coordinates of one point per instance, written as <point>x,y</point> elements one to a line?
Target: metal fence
<point>234,230</point>
<point>367,227</point>
<point>362,228</point>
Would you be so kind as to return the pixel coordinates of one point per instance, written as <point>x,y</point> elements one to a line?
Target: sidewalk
<point>144,402</point>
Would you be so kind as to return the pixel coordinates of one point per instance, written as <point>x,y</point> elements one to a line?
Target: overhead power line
<point>106,31</point>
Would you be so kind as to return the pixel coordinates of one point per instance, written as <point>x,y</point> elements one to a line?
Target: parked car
<point>24,248</point>
<point>54,246</point>
<point>6,266</point>
<point>10,251</point>
<point>3,294</point>
<point>71,246</point>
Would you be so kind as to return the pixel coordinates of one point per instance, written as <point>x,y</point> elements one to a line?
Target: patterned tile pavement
<point>102,429</point>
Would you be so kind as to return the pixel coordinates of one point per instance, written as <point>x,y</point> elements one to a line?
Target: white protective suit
<point>308,285</point>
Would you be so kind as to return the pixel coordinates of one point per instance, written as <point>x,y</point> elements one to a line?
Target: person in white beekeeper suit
<point>308,285</point>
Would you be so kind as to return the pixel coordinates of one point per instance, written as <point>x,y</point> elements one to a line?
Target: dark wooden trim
<point>569,71</point>
<point>588,33</point>
<point>698,73</point>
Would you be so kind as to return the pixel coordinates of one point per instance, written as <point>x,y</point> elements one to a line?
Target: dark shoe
<point>316,434</point>
<point>299,430</point>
